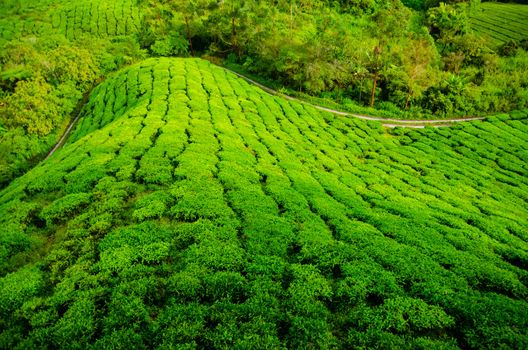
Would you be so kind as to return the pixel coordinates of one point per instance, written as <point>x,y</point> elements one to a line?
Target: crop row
<point>459,174</point>
<point>504,32</point>
<point>97,17</point>
<point>502,18</point>
<point>502,22</point>
<point>232,211</point>
<point>515,11</point>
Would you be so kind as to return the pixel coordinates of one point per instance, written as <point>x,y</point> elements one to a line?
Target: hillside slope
<point>501,22</point>
<point>189,208</point>
<point>91,18</point>
<point>52,53</point>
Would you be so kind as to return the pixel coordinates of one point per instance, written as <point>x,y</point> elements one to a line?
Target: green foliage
<point>63,207</point>
<point>73,20</point>
<point>52,53</point>
<point>32,107</point>
<point>357,54</point>
<point>191,209</point>
<point>77,326</point>
<point>448,20</point>
<point>175,45</point>
<point>125,246</point>
<point>402,314</point>
<point>360,53</point>
<point>17,288</point>
<point>500,22</point>
<point>151,206</point>
<point>71,65</point>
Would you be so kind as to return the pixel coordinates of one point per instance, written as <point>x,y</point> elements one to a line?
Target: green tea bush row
<point>101,18</point>
<point>189,207</point>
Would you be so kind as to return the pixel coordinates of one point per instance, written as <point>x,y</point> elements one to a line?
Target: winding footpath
<point>387,122</point>
<point>77,112</point>
<point>64,136</point>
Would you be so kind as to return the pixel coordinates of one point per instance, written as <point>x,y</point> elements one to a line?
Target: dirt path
<point>77,112</point>
<point>64,136</point>
<point>387,122</point>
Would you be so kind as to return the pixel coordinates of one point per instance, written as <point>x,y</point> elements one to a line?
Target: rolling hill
<point>189,209</point>
<point>501,22</point>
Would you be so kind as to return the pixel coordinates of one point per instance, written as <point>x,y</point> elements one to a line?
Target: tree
<point>229,24</point>
<point>446,22</point>
<point>417,64</point>
<point>375,68</point>
<point>32,106</point>
<point>390,24</point>
<point>191,11</point>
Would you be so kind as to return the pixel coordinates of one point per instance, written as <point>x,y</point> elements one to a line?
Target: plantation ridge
<point>213,175</point>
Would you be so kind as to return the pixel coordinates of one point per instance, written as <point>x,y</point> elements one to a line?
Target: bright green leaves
<point>366,282</point>
<point>155,169</point>
<point>217,255</point>
<point>307,292</point>
<point>18,287</point>
<point>65,207</point>
<point>100,18</point>
<point>173,45</point>
<point>190,208</point>
<point>401,314</point>
<point>33,107</point>
<point>199,198</point>
<point>78,324</point>
<point>412,318</point>
<point>210,245</point>
<point>153,206</point>
<point>97,17</point>
<point>71,65</point>
<point>182,324</point>
<point>145,243</point>
<point>306,287</point>
<point>448,20</point>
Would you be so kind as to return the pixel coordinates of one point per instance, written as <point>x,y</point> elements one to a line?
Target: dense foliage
<point>375,53</point>
<point>409,64</point>
<point>191,210</point>
<point>94,18</point>
<point>52,53</point>
<point>188,209</point>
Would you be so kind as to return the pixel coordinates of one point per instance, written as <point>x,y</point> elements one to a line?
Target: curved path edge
<point>64,136</point>
<point>391,123</point>
<point>78,112</point>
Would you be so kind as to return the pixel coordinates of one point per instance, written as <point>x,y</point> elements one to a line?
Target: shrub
<point>65,207</point>
<point>18,287</point>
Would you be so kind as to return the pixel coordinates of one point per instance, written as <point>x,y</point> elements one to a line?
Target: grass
<point>195,209</point>
<point>501,22</point>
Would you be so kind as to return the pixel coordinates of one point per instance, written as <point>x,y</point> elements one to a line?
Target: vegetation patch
<point>501,22</point>
<point>94,18</point>
<point>190,208</point>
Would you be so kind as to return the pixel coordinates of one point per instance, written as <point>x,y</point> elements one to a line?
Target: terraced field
<point>189,207</point>
<point>501,22</point>
<point>98,18</point>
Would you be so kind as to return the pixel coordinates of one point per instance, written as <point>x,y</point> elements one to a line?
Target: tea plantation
<point>501,22</point>
<point>191,210</point>
<point>92,18</point>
